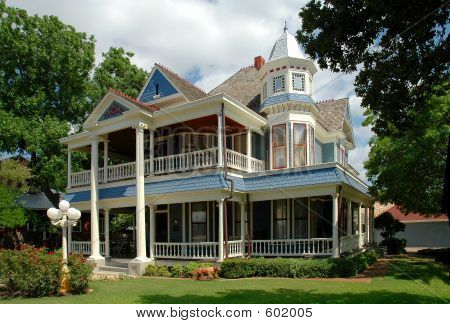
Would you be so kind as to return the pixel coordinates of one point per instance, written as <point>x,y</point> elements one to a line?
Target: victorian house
<point>255,167</point>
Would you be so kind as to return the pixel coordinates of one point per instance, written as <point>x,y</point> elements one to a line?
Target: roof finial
<point>285,26</point>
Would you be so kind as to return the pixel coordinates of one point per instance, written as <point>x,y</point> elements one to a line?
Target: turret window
<point>300,148</point>
<point>298,81</point>
<point>279,146</point>
<point>278,84</point>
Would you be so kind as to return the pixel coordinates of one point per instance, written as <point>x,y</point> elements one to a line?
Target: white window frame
<point>303,81</point>
<point>283,84</point>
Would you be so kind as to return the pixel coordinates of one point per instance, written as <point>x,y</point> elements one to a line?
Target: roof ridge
<point>135,100</point>
<point>179,77</point>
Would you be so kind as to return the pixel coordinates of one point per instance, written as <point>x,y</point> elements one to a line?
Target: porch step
<point>118,264</point>
<point>113,269</point>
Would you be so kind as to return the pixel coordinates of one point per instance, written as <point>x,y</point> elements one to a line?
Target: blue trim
<point>277,99</point>
<point>216,181</point>
<point>115,109</point>
<point>159,81</point>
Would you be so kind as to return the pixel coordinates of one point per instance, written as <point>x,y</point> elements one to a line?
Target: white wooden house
<point>255,167</point>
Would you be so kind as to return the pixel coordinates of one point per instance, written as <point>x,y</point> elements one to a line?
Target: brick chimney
<point>259,62</point>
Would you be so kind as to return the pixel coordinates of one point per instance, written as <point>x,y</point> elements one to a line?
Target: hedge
<point>176,271</point>
<point>298,268</point>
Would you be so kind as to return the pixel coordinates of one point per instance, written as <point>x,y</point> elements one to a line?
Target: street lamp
<point>64,217</point>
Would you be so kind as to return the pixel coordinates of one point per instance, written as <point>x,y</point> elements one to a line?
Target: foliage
<point>400,51</point>
<point>394,245</point>
<point>13,172</point>
<point>79,273</point>
<point>116,71</point>
<point>11,214</point>
<point>176,271</point>
<point>153,270</point>
<point>121,221</point>
<point>387,225</point>
<point>31,272</point>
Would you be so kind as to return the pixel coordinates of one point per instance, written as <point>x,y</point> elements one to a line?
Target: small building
<point>256,166</point>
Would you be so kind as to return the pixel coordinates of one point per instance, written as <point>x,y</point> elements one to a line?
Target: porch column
<point>69,168</point>
<point>69,238</point>
<point>366,229</point>
<point>141,250</point>
<point>220,238</point>
<point>107,255</point>
<point>249,150</point>
<point>349,218</point>
<point>243,211</point>
<point>335,252</point>
<point>152,151</point>
<point>105,161</point>
<point>95,238</point>
<point>220,140</point>
<point>152,231</point>
<point>359,225</point>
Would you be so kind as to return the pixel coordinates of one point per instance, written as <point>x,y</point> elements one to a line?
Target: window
<point>157,89</point>
<point>199,222</point>
<point>301,218</point>
<point>300,154</point>
<point>298,81</point>
<point>312,149</point>
<point>280,219</point>
<point>264,91</point>
<point>278,84</point>
<point>279,146</point>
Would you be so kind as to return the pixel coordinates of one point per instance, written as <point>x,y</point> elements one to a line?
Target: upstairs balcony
<point>197,160</point>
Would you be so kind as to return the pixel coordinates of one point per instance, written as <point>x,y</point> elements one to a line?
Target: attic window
<point>278,84</point>
<point>157,89</point>
<point>298,81</point>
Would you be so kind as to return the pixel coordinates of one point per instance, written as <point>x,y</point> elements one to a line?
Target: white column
<point>152,151</point>
<point>152,231</point>
<point>220,140</point>
<point>270,149</point>
<point>220,238</point>
<point>95,237</point>
<point>349,218</point>
<point>359,225</point>
<point>335,226</point>
<point>69,168</point>
<point>243,211</point>
<point>69,238</point>
<point>366,229</point>
<point>107,253</point>
<point>105,161</point>
<point>183,222</point>
<point>249,150</point>
<point>141,250</point>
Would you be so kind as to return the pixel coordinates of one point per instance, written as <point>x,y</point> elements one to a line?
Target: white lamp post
<point>63,217</point>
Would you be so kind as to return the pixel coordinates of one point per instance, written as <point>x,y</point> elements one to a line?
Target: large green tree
<point>400,51</point>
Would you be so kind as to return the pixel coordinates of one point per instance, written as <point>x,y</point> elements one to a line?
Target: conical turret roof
<point>286,46</point>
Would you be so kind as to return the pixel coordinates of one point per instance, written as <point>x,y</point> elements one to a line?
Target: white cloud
<point>357,157</point>
<point>215,37</point>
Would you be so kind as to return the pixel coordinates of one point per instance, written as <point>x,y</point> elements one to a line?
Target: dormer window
<point>278,84</point>
<point>264,91</point>
<point>298,81</point>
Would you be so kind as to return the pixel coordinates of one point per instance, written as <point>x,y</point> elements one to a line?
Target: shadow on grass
<point>418,269</point>
<point>293,296</point>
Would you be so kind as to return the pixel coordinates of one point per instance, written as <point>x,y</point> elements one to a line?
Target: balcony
<point>197,160</point>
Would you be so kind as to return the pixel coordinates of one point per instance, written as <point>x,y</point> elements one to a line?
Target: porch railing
<point>292,247</point>
<point>84,247</point>
<point>235,248</point>
<point>169,164</point>
<point>201,250</point>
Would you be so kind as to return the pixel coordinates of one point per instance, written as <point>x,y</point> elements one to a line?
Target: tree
<point>116,71</point>
<point>400,51</point>
<point>388,227</point>
<point>44,77</point>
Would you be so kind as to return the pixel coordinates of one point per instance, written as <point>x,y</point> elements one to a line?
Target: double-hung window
<point>279,146</point>
<point>300,146</point>
<point>199,221</point>
<point>280,219</point>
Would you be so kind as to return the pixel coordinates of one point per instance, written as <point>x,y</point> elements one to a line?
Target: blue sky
<point>205,41</point>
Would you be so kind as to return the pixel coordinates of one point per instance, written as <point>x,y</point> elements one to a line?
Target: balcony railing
<point>84,247</point>
<point>196,160</point>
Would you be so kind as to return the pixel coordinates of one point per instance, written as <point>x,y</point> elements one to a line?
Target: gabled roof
<point>286,46</point>
<point>35,201</point>
<point>140,104</point>
<point>242,86</point>
<point>191,91</point>
<point>332,113</point>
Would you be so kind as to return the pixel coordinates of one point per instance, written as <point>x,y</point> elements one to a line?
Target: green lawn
<point>411,280</point>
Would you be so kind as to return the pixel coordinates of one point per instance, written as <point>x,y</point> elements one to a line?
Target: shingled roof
<point>140,104</point>
<point>242,86</point>
<point>188,89</point>
<point>332,113</point>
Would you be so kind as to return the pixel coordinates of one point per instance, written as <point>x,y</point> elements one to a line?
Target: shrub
<point>153,270</point>
<point>79,273</point>
<point>30,271</point>
<point>177,271</point>
<point>394,245</point>
<point>189,269</point>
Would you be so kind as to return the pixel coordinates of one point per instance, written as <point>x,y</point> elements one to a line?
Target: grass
<point>411,280</point>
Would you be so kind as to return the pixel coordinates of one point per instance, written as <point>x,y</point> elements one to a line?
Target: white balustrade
<point>81,178</point>
<point>201,250</point>
<point>84,247</point>
<point>236,160</point>
<point>122,171</point>
<point>292,247</point>
<point>234,248</point>
<point>185,161</point>
<point>256,165</point>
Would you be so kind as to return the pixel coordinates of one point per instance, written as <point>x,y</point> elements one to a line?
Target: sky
<point>205,41</point>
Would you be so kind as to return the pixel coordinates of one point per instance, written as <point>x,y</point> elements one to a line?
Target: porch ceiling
<point>207,124</point>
